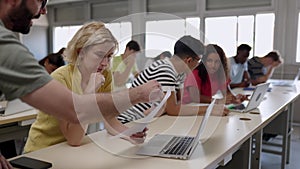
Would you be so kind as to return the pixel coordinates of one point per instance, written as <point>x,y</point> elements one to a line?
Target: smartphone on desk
<point>30,163</point>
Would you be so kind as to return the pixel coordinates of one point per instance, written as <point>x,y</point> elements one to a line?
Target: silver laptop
<point>287,83</point>
<point>13,107</point>
<point>254,101</point>
<point>171,146</point>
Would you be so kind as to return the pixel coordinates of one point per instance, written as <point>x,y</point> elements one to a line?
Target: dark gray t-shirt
<point>20,73</point>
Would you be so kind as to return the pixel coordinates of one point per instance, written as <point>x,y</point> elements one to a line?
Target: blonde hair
<point>89,34</point>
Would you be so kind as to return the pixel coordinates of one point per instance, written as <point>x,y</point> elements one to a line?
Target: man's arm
<point>196,97</point>
<point>120,78</point>
<point>176,109</point>
<point>245,81</point>
<point>264,78</point>
<point>55,99</point>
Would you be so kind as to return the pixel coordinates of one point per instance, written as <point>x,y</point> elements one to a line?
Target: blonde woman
<point>88,55</point>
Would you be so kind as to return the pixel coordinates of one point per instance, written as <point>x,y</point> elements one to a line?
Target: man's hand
<point>130,60</point>
<point>149,92</point>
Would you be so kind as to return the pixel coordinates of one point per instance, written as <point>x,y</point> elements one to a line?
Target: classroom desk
<point>16,125</point>
<point>228,135</point>
<point>279,122</point>
<point>99,151</point>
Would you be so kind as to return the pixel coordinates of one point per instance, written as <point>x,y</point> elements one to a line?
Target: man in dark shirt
<point>261,68</point>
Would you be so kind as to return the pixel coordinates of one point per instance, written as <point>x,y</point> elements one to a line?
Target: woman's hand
<point>95,82</point>
<point>137,138</point>
<point>236,99</point>
<point>4,164</point>
<point>115,127</point>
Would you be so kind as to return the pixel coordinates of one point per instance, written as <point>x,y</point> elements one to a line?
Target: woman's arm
<point>74,133</point>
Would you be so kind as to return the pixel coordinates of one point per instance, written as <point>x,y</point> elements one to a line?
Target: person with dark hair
<point>261,68</point>
<point>170,73</point>
<point>22,77</point>
<point>238,67</point>
<point>163,55</point>
<point>125,65</point>
<point>53,61</point>
<point>210,76</point>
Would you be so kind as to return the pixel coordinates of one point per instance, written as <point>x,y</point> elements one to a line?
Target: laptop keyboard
<point>177,145</point>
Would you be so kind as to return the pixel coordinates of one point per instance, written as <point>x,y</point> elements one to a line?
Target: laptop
<point>287,83</point>
<point>254,101</point>
<point>13,107</point>
<point>172,146</point>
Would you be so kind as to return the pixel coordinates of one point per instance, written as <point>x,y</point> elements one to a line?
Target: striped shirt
<point>256,68</point>
<point>164,72</point>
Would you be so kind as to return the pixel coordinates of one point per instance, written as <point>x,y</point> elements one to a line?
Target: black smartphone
<point>30,163</point>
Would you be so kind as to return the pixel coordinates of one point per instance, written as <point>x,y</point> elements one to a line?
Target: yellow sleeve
<point>61,75</point>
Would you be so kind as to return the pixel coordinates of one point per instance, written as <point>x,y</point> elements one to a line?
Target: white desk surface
<point>228,134</point>
<point>26,115</point>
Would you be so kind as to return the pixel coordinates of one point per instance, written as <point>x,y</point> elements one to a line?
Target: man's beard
<point>21,19</point>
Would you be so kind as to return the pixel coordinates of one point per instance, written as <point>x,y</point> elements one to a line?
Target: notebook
<point>254,101</point>
<point>13,107</point>
<point>172,146</point>
<point>287,83</point>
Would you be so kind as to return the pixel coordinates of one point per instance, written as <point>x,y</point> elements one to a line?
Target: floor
<point>271,161</point>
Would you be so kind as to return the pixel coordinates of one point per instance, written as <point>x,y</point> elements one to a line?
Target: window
<point>222,31</point>
<point>264,34</point>
<point>231,31</point>
<point>162,35</point>
<point>298,41</point>
<point>62,35</point>
<point>122,32</point>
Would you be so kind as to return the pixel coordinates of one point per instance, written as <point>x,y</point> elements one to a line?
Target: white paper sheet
<point>142,123</point>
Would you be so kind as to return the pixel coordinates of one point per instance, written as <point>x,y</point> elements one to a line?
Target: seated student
<point>124,65</point>
<point>209,77</point>
<point>53,61</point>
<point>239,68</point>
<point>88,54</point>
<point>170,73</point>
<point>261,68</point>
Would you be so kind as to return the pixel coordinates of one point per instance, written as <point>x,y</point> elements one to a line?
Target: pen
<point>230,107</point>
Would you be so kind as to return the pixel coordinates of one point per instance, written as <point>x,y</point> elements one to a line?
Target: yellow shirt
<point>45,130</point>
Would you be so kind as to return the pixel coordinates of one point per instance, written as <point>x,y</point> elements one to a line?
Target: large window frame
<point>234,33</point>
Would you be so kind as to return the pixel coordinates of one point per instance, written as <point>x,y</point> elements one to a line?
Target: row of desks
<point>16,126</point>
<point>227,135</point>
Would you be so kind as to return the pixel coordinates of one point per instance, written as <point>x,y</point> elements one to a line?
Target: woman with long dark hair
<point>210,78</point>
<point>53,61</point>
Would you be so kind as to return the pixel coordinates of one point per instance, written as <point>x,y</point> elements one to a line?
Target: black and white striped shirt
<point>164,72</point>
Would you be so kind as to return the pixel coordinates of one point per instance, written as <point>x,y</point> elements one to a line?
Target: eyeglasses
<point>198,59</point>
